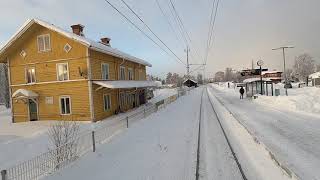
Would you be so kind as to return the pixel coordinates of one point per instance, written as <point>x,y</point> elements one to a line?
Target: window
<point>105,71</point>
<point>122,100</point>
<point>65,105</point>
<point>23,54</point>
<point>62,72</point>
<point>107,102</point>
<point>67,48</point>
<point>130,74</point>
<point>122,73</point>
<point>44,43</point>
<point>31,75</point>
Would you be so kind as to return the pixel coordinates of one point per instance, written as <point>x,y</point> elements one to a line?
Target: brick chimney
<point>105,41</point>
<point>78,29</point>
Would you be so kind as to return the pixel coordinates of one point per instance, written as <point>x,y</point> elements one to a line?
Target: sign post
<point>260,63</point>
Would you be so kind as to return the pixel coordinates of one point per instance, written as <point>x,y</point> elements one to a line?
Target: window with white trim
<point>62,72</point>
<point>122,73</point>
<point>31,75</point>
<point>44,43</point>
<point>105,71</point>
<point>107,102</point>
<point>130,74</point>
<point>65,105</point>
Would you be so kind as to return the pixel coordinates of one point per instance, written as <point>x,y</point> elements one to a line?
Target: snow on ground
<point>304,100</point>
<point>253,157</point>
<point>293,137</point>
<point>160,94</point>
<point>216,160</point>
<point>162,146</point>
<point>32,137</point>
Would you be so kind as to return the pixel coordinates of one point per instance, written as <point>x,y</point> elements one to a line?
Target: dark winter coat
<point>241,91</point>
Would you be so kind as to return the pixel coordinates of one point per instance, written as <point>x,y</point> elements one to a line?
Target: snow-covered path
<point>162,146</point>
<point>293,137</point>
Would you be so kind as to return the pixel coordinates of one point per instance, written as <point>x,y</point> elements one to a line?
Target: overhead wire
<point>145,34</point>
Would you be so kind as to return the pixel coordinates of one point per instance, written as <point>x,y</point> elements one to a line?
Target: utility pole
<point>284,65</point>
<point>188,65</point>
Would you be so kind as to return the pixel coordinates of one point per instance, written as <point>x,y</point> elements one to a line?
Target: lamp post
<point>260,63</point>
<point>284,65</point>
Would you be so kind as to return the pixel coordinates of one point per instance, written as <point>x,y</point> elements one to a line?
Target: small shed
<point>315,79</point>
<point>190,83</point>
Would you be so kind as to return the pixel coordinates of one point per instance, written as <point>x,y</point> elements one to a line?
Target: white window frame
<point>46,49</point>
<point>104,102</point>
<point>57,69</point>
<point>102,71</point>
<point>130,74</point>
<point>27,74</point>
<point>124,73</point>
<point>60,105</point>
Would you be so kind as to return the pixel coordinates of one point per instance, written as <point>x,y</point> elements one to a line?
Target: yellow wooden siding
<point>97,58</point>
<point>99,111</point>
<point>78,91</point>
<point>45,62</point>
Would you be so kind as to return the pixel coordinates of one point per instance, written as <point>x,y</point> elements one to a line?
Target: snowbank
<point>300,99</point>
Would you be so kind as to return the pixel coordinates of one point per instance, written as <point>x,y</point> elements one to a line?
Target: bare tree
<point>303,66</point>
<point>63,137</point>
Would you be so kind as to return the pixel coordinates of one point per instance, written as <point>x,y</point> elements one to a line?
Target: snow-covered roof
<point>125,84</point>
<point>314,75</point>
<point>85,41</point>
<point>190,80</point>
<point>23,93</point>
<point>249,80</point>
<point>270,72</point>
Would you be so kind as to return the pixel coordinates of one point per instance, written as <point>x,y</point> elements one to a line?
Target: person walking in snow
<point>241,92</point>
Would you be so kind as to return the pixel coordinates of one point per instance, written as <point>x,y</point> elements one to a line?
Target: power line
<point>139,29</point>
<point>211,29</point>
<point>180,23</point>
<point>168,21</point>
<point>151,30</point>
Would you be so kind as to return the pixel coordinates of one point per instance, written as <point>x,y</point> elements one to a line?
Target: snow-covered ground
<point>160,94</point>
<point>305,99</point>
<point>293,137</point>
<point>162,146</point>
<point>32,137</point>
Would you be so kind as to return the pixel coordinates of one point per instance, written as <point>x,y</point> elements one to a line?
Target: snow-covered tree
<point>304,65</point>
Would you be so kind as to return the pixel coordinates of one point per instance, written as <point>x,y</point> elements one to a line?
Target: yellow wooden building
<point>59,75</point>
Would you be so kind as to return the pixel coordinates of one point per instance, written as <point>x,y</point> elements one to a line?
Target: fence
<point>58,158</point>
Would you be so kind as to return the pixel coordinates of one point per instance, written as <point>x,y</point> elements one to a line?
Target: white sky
<point>245,29</point>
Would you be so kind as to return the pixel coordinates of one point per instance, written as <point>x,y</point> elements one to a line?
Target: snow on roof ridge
<point>88,42</point>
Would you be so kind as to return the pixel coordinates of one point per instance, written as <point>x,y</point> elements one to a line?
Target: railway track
<point>224,134</point>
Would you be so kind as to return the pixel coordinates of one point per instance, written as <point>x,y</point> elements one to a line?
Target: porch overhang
<point>125,84</point>
<point>24,94</point>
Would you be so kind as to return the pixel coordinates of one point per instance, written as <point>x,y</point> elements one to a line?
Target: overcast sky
<point>246,30</point>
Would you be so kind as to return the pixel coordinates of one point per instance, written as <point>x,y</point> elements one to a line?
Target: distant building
<point>219,76</point>
<point>190,83</point>
<point>315,79</point>
<point>253,81</point>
